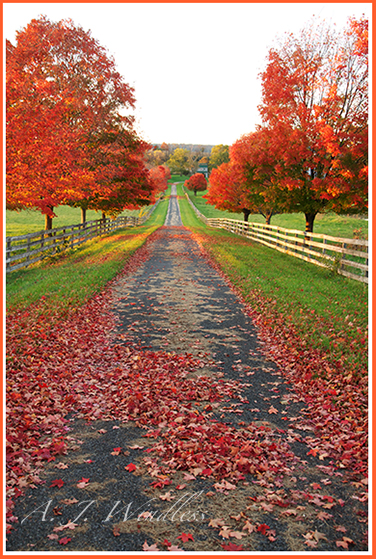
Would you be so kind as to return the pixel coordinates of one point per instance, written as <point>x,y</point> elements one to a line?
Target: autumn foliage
<point>311,153</point>
<point>196,182</point>
<point>69,137</point>
<point>159,177</point>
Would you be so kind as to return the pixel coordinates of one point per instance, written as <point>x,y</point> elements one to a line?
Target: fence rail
<point>348,257</point>
<point>24,250</point>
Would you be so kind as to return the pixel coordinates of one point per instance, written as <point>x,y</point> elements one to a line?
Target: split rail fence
<point>24,250</point>
<point>348,257</point>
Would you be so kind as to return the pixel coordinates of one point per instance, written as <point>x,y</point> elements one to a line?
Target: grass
<point>329,312</point>
<point>29,221</point>
<point>326,224</point>
<point>71,279</point>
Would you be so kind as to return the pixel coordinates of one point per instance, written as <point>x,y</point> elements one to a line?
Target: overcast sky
<point>194,67</point>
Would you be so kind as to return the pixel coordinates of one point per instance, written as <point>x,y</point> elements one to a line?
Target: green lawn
<point>328,311</point>
<point>327,224</point>
<point>71,278</point>
<point>28,221</point>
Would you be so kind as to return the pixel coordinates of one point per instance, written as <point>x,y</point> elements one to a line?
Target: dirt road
<point>230,471</point>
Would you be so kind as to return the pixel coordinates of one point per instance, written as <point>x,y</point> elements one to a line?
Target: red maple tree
<point>65,99</point>
<point>159,177</point>
<point>197,183</point>
<point>315,103</point>
<point>228,191</point>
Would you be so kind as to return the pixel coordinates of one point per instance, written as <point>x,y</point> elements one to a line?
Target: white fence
<point>348,257</point>
<point>23,250</point>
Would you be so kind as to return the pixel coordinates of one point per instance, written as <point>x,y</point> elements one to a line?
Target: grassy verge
<point>326,224</point>
<point>329,312</point>
<point>28,221</point>
<point>68,281</point>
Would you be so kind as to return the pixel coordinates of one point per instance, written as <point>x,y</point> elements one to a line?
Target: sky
<point>194,66</point>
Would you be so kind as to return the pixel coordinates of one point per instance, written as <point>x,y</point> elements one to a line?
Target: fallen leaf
<point>237,535</point>
<point>69,501</point>
<point>232,547</point>
<point>167,496</point>
<point>262,528</point>
<point>185,537</point>
<point>216,522</point>
<point>152,547</point>
<point>57,483</point>
<point>131,467</point>
<point>61,466</point>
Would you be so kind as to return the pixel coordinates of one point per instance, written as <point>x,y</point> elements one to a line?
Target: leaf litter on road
<point>78,369</point>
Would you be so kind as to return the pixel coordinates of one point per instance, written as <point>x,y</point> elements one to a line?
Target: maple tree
<point>197,183</point>
<point>228,191</point>
<point>315,102</point>
<point>159,177</point>
<point>121,174</point>
<point>66,106</point>
<point>253,155</point>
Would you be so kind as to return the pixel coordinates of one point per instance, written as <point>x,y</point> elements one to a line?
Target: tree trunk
<point>103,217</point>
<point>246,214</point>
<point>48,220</point>
<point>310,218</point>
<point>268,217</point>
<point>195,191</point>
<point>83,215</point>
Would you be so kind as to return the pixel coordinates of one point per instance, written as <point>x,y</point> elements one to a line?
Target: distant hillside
<point>190,147</point>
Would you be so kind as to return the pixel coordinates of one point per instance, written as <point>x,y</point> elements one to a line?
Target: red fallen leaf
<point>185,537</point>
<point>161,483</point>
<point>262,528</point>
<point>57,483</point>
<point>116,451</point>
<point>206,472</point>
<point>232,547</point>
<point>181,486</point>
<point>131,467</point>
<point>272,409</point>
<point>313,451</point>
<point>115,531</point>
<point>64,540</point>
<point>166,543</point>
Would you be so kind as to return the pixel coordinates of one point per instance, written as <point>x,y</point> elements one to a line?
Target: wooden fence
<point>348,257</point>
<point>23,250</point>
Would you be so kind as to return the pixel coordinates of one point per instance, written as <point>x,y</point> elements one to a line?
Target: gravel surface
<point>176,302</point>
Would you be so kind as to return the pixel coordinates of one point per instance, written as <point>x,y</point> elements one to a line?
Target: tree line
<point>310,154</point>
<point>69,132</point>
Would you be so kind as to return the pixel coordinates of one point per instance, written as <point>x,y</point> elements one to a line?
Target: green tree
<point>180,162</point>
<point>219,154</point>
